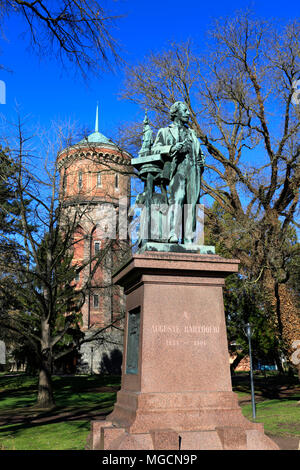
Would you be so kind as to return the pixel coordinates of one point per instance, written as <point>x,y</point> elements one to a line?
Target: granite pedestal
<point>176,390</point>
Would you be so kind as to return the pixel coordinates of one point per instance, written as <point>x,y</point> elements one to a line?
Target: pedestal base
<point>222,438</point>
<point>178,421</point>
<point>176,388</point>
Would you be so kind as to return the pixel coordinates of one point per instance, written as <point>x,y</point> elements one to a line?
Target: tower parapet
<point>94,169</point>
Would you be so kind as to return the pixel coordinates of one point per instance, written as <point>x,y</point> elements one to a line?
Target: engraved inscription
<point>185,335</point>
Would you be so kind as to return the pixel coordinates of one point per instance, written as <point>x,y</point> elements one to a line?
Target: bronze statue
<point>174,164</point>
<point>183,170</point>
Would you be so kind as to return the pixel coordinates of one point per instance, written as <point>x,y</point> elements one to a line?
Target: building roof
<point>96,137</point>
<point>94,140</point>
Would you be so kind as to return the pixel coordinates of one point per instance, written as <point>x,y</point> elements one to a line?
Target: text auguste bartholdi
<point>188,330</point>
<point>185,329</point>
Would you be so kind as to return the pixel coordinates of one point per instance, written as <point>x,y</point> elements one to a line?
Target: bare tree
<point>46,304</point>
<point>240,93</point>
<point>73,31</point>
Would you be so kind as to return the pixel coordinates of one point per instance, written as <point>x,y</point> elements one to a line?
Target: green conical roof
<point>96,137</point>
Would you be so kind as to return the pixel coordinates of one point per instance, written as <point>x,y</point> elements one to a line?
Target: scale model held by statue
<point>174,163</point>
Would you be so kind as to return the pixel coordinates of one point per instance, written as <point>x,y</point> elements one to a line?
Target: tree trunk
<point>236,362</point>
<point>279,364</point>
<point>298,371</point>
<point>282,300</point>
<point>45,398</point>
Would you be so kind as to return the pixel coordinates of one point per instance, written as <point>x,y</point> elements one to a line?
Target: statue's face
<point>183,113</point>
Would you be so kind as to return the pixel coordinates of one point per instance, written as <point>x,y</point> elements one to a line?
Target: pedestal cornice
<point>173,265</point>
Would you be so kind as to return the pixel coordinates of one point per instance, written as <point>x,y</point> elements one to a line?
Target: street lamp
<point>249,334</point>
<point>92,357</point>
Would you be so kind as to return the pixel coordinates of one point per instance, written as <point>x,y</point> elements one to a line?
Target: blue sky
<point>47,93</point>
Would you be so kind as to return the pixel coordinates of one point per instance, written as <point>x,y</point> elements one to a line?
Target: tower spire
<point>96,122</point>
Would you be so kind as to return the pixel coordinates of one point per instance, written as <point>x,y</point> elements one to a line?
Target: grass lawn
<point>79,399</point>
<point>280,417</point>
<point>277,402</point>
<point>69,435</point>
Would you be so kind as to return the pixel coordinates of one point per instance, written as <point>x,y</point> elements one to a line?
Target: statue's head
<point>179,110</point>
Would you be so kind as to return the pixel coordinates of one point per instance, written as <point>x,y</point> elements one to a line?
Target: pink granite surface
<point>183,385</point>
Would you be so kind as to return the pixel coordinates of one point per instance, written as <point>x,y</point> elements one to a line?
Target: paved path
<point>286,443</point>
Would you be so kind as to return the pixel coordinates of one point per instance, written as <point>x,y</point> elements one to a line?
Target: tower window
<point>80,179</point>
<point>65,181</point>
<point>98,179</point>
<point>96,300</point>
<point>77,277</point>
<point>97,247</point>
<point>117,181</point>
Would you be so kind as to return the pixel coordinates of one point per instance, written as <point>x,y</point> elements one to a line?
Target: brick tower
<point>96,175</point>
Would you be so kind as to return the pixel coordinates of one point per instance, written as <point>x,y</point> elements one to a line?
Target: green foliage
<point>48,293</point>
<point>38,277</point>
<point>243,297</point>
<point>244,304</point>
<point>10,252</point>
<point>9,207</point>
<point>40,302</point>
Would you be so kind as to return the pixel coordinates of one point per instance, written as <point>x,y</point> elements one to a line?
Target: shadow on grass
<point>273,386</point>
<point>56,415</point>
<point>77,398</point>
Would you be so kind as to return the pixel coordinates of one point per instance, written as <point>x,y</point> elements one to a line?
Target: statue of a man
<point>183,170</point>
